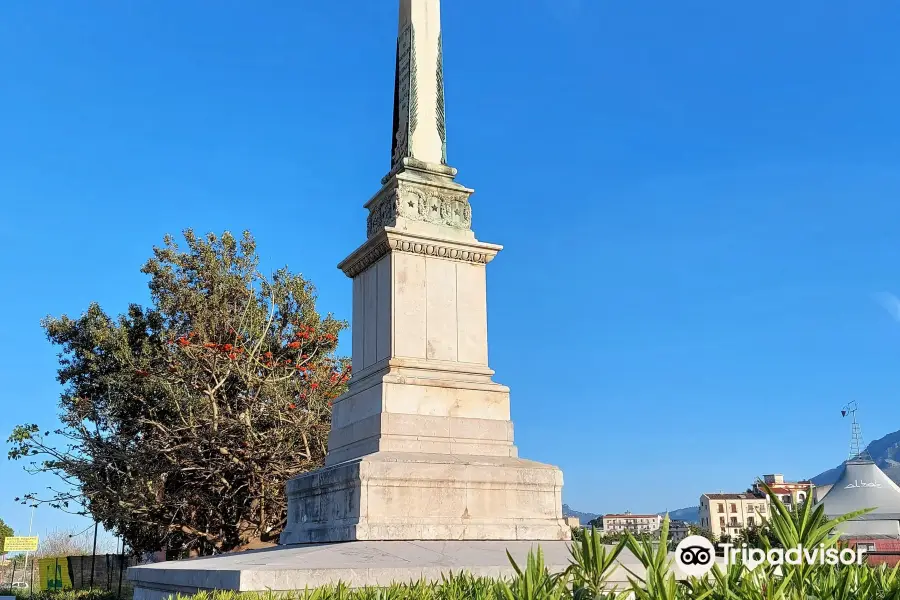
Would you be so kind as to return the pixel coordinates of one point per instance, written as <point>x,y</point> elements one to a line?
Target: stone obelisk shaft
<point>419,122</point>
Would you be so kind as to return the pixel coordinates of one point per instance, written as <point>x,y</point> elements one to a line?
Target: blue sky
<point>697,200</point>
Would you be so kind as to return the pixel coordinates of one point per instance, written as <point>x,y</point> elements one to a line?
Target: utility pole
<point>94,554</point>
<point>121,568</point>
<point>25,572</point>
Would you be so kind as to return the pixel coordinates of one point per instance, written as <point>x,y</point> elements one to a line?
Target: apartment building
<point>729,514</point>
<point>678,530</point>
<point>791,493</point>
<point>620,523</point>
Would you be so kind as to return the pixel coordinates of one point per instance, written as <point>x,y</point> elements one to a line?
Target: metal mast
<point>857,448</point>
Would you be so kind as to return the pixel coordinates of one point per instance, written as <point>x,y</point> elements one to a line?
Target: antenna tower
<point>857,448</point>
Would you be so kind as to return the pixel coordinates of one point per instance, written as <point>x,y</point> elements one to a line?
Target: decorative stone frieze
<point>419,202</point>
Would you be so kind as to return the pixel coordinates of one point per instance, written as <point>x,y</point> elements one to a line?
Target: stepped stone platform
<point>357,564</point>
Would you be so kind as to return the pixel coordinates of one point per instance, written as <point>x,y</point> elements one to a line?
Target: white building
<point>620,523</point>
<point>730,514</point>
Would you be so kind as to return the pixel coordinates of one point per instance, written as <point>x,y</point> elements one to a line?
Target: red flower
<point>232,356</point>
<point>268,355</point>
<point>292,406</point>
<point>314,386</point>
<point>183,341</point>
<point>294,345</point>
<point>227,347</point>
<point>303,396</point>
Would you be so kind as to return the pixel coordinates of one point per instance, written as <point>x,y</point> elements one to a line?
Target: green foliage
<point>658,582</point>
<point>534,582</point>
<point>701,531</point>
<point>612,539</point>
<point>5,531</point>
<point>592,565</point>
<point>181,422</point>
<point>803,526</point>
<point>96,594</point>
<point>758,536</point>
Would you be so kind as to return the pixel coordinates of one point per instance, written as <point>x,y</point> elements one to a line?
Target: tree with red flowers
<point>181,423</point>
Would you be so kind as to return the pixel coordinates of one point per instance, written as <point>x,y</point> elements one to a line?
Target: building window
<point>786,499</point>
<point>722,521</point>
<point>865,547</point>
<point>734,522</point>
<point>733,507</point>
<point>750,521</point>
<point>801,497</point>
<point>721,508</point>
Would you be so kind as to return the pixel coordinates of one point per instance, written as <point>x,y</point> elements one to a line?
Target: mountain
<point>583,517</point>
<point>886,454</point>
<point>691,514</point>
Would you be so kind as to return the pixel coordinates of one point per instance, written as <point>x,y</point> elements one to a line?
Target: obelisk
<point>421,445</point>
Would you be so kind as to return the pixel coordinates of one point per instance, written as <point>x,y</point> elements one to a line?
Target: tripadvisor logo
<point>695,555</point>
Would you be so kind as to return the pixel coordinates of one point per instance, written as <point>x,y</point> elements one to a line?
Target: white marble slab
<point>358,564</point>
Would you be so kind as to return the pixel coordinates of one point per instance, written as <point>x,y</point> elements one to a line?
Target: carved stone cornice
<point>390,240</point>
<point>409,196</point>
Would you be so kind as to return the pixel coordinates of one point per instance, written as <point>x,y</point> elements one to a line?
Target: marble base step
<point>419,496</point>
<point>356,564</point>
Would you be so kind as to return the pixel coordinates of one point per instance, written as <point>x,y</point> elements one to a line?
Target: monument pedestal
<point>421,445</point>
<point>410,496</point>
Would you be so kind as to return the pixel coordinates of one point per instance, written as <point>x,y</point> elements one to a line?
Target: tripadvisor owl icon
<point>695,555</point>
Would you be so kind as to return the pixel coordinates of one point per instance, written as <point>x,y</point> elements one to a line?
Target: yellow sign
<point>54,573</point>
<point>20,544</point>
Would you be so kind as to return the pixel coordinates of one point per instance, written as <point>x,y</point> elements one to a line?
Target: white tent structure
<point>863,485</point>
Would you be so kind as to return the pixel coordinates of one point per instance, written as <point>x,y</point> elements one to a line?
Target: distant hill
<point>691,514</point>
<point>886,454</point>
<point>583,517</point>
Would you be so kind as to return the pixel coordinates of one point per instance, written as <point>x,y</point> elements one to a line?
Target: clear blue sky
<point>698,202</point>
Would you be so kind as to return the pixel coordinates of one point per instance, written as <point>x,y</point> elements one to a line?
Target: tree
<point>65,542</point>
<point>5,531</point>
<point>758,536</point>
<point>694,529</point>
<point>182,422</point>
